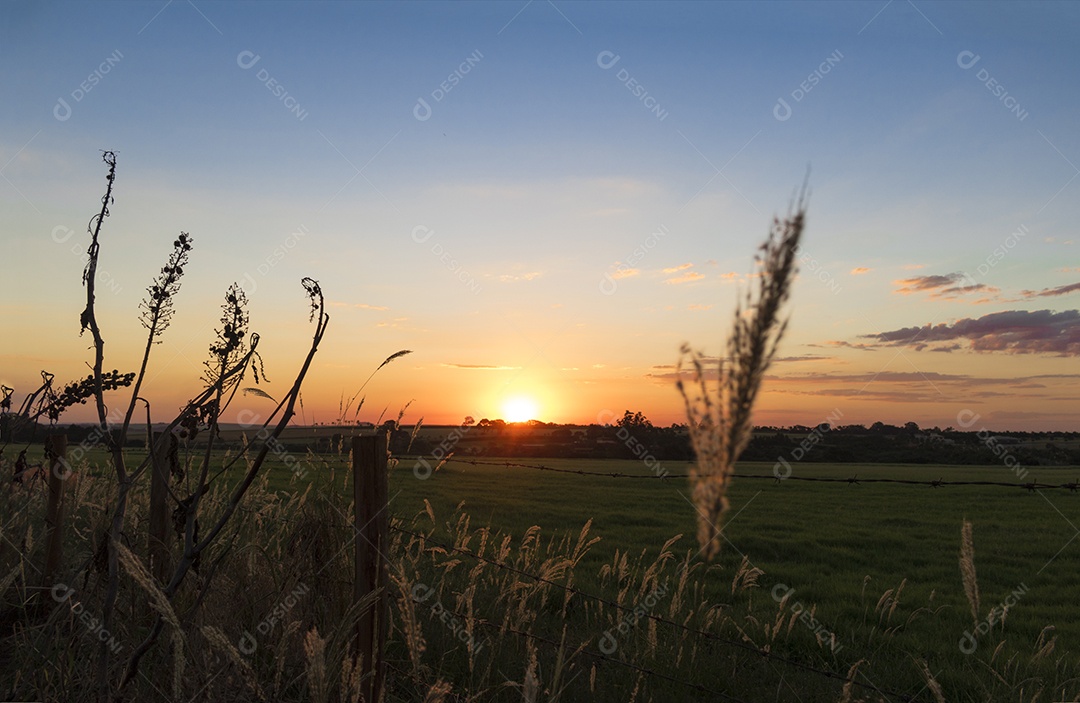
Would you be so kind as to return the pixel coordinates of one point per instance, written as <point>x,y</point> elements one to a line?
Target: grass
<point>878,565</point>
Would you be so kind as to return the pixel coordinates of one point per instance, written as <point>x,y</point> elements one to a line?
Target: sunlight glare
<point>519,409</point>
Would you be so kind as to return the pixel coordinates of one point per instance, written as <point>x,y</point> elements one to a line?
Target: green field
<point>876,563</point>
<point>839,546</point>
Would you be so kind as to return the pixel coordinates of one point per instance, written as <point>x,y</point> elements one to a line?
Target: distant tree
<point>636,423</point>
<point>562,435</point>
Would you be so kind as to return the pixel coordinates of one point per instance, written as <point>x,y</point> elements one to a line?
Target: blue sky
<point>538,174</point>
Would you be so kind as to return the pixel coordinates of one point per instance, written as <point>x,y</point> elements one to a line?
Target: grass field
<point>876,564</point>
<point>839,546</point>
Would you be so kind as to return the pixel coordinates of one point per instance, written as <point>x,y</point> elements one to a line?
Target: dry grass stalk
<point>530,688</point>
<point>849,684</point>
<point>220,642</point>
<point>931,683</point>
<point>719,420</point>
<point>1044,645</point>
<point>159,602</point>
<point>746,576</point>
<point>967,570</point>
<point>315,653</point>
<point>351,678</point>
<point>438,692</point>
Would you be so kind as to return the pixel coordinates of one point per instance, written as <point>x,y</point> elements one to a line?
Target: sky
<point>544,200</point>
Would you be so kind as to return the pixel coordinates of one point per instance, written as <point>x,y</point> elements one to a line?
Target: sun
<point>519,409</point>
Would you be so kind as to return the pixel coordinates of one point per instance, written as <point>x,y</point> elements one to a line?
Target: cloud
<point>1011,332</point>
<point>686,278</point>
<point>625,273</point>
<point>913,267</point>
<point>360,306</point>
<point>913,386</point>
<point>1047,292</point>
<point>680,267</point>
<point>482,367</point>
<point>846,345</point>
<point>512,277</point>
<point>921,283</point>
<point>700,307</point>
<point>860,270</point>
<point>948,286</point>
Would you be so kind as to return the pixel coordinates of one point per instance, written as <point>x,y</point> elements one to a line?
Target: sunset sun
<point>519,409</point>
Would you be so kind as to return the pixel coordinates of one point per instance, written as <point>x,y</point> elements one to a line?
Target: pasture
<point>839,547</point>
<point>822,575</point>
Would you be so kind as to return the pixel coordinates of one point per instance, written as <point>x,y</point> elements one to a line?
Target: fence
<point>851,480</point>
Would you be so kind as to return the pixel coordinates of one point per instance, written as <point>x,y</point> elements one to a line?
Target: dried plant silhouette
<point>719,418</point>
<point>967,570</point>
<point>232,357</point>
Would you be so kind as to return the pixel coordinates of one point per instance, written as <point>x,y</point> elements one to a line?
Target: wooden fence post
<point>372,541</point>
<point>56,456</point>
<point>158,547</point>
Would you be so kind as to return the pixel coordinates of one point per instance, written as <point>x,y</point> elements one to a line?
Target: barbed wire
<point>851,480</point>
<point>657,618</point>
<point>601,656</point>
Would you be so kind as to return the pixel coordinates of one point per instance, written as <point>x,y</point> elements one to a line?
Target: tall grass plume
<point>718,418</point>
